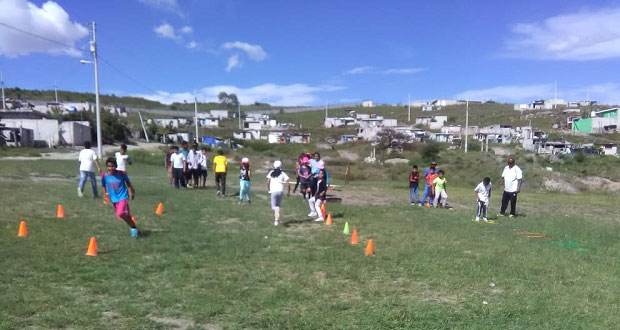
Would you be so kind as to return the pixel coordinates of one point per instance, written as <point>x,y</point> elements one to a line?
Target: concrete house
<point>247,135</point>
<point>600,121</point>
<point>46,132</point>
<point>338,122</point>
<point>75,133</point>
<point>209,121</point>
<point>252,125</point>
<point>165,122</point>
<point>16,137</point>
<point>437,122</point>
<point>609,149</point>
<point>367,104</point>
<point>221,114</point>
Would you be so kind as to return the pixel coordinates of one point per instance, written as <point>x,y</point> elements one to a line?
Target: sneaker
<point>275,223</point>
<point>485,220</point>
<point>219,192</point>
<point>477,218</point>
<point>319,220</point>
<point>80,193</point>
<point>502,214</point>
<point>240,202</point>
<point>312,215</point>
<point>249,202</point>
<point>412,204</point>
<point>511,216</point>
<point>134,232</point>
<point>420,205</point>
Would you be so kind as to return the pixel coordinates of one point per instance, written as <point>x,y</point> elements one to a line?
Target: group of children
<point>436,191</point>
<point>186,168</point>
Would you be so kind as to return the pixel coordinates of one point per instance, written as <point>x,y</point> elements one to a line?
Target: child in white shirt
<point>483,195</point>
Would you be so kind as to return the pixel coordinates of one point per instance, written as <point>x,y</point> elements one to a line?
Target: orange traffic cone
<point>92,248</point>
<point>328,222</point>
<point>323,209</point>
<point>22,231</point>
<point>106,199</point>
<point>160,209</point>
<point>369,249</point>
<point>60,212</point>
<point>354,237</point>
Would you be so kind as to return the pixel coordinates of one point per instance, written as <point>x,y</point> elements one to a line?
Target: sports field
<point>209,263</point>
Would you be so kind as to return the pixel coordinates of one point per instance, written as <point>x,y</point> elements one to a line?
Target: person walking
<point>276,179</point>
<point>220,167</point>
<point>512,176</point>
<point>122,159</point>
<point>244,180</point>
<point>179,166</point>
<point>87,158</point>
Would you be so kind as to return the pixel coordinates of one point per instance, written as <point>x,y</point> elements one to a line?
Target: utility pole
<point>326,110</point>
<point>239,114</point>
<point>409,107</point>
<point>143,128</point>
<point>196,114</point>
<point>555,93</point>
<point>56,92</point>
<point>3,99</point>
<point>466,123</point>
<point>93,50</point>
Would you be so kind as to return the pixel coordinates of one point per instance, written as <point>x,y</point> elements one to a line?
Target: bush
<point>431,150</point>
<point>580,157</point>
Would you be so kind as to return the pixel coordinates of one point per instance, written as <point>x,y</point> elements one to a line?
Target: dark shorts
<point>203,173</point>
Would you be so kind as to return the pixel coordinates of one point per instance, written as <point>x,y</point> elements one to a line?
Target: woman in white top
<point>276,179</point>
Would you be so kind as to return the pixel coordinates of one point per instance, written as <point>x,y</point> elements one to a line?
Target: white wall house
<point>367,104</point>
<point>46,131</point>
<point>247,135</point>
<point>75,133</point>
<point>437,122</point>
<point>209,122</point>
<point>221,114</point>
<point>252,124</point>
<point>165,122</point>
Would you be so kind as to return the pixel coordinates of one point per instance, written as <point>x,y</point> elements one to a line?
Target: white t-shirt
<point>177,160</point>
<point>121,161</point>
<point>194,159</point>
<point>483,191</point>
<point>203,162</point>
<point>277,184</point>
<point>511,178</point>
<point>87,158</point>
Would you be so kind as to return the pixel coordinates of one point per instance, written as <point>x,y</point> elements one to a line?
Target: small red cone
<point>22,231</point>
<point>92,248</point>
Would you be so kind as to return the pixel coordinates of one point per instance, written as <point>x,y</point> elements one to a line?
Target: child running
<point>440,191</point>
<point>116,185</point>
<point>483,195</point>
<point>244,180</point>
<point>319,191</point>
<point>275,186</point>
<point>122,159</point>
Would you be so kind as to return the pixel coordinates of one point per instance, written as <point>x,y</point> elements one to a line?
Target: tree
<point>230,100</point>
<point>389,138</point>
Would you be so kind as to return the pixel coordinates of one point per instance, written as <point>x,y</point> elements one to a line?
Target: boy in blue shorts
<point>117,186</point>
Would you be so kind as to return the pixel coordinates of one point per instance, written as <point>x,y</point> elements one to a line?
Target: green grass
<point>210,263</point>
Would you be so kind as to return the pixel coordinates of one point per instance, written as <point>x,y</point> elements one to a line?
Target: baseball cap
<point>277,164</point>
<point>244,160</point>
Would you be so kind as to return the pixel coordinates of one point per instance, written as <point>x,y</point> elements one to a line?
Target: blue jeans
<point>428,192</point>
<point>244,189</point>
<point>413,192</point>
<point>90,175</point>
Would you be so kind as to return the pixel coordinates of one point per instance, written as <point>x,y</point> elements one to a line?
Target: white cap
<point>277,164</point>
<point>244,160</point>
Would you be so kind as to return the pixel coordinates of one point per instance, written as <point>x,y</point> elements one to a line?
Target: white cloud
<point>359,70</point>
<point>285,95</point>
<point>254,52</point>
<point>191,45</point>
<point>166,5</point>
<point>50,21</point>
<point>166,31</point>
<point>514,93</point>
<point>186,29</point>
<point>605,93</point>
<point>404,71</point>
<point>233,62</point>
<point>582,36</point>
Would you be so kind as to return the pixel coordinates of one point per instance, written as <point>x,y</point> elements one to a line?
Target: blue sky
<point>313,52</point>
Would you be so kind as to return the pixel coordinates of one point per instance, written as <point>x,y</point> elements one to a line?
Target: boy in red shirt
<point>429,182</point>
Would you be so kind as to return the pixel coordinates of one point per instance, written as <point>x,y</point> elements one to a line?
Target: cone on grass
<point>346,228</point>
<point>369,248</point>
<point>328,222</point>
<point>323,210</point>
<point>160,209</point>
<point>354,237</point>
<point>106,199</point>
<point>22,231</point>
<point>92,248</point>
<point>60,212</point>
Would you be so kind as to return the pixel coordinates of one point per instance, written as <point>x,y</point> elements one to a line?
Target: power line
<point>41,37</point>
<point>125,75</point>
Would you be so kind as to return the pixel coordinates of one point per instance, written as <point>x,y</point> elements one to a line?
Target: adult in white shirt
<point>512,176</point>
<point>194,158</point>
<point>179,166</point>
<point>122,159</point>
<point>276,179</point>
<point>87,158</point>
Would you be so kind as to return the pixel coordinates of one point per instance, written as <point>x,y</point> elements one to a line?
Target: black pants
<point>296,184</point>
<point>220,182</point>
<point>482,210</point>
<point>179,178</point>
<point>512,197</point>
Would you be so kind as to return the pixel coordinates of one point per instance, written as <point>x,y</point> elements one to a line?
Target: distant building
<point>247,135</point>
<point>221,114</point>
<point>367,104</point>
<point>601,121</point>
<point>75,133</point>
<point>165,122</point>
<point>338,122</point>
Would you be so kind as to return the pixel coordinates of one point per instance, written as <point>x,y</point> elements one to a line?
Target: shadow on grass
<point>145,233</point>
<point>297,222</point>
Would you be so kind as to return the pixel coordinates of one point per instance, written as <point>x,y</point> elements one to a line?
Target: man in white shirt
<point>179,166</point>
<point>122,159</point>
<point>512,177</point>
<point>86,158</point>
<point>194,158</point>
<point>276,179</point>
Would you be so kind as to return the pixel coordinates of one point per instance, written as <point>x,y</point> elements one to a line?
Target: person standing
<point>297,166</point>
<point>220,167</point>
<point>414,179</point>
<point>428,189</point>
<point>483,195</point>
<point>203,167</point>
<point>512,176</point>
<point>194,158</point>
<point>305,177</point>
<point>319,193</point>
<point>186,174</point>
<point>276,179</point>
<point>244,180</point>
<point>87,158</point>
<point>122,159</point>
<point>168,166</point>
<point>440,190</point>
<point>179,166</point>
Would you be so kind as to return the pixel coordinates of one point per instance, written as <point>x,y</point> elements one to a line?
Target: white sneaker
<point>477,218</point>
<point>511,216</point>
<point>312,215</point>
<point>80,193</point>
<point>275,223</point>
<point>319,220</point>
<point>485,220</point>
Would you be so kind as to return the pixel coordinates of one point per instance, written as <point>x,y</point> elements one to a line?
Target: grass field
<point>209,263</point>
